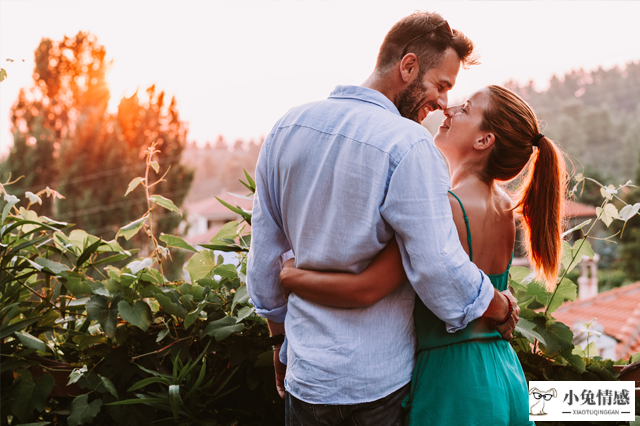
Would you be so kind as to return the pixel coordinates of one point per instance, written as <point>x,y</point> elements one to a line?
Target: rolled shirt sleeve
<point>418,209</point>
<point>268,243</point>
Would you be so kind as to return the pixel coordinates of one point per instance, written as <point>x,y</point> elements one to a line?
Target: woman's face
<point>460,130</point>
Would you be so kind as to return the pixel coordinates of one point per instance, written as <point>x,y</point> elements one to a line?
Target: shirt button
<point>446,251</point>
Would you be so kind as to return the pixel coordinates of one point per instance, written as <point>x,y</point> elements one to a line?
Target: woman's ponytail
<point>540,204</point>
<point>542,193</point>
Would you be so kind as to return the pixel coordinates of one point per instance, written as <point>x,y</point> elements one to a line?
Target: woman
<point>471,377</point>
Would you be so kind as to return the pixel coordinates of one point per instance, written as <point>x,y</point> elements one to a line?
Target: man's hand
<point>281,371</point>
<point>276,329</point>
<point>506,330</point>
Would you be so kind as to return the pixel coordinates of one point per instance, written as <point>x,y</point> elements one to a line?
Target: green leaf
<point>133,184</point>
<point>566,291</point>
<point>226,271</point>
<point>109,385</point>
<point>162,335</point>
<point>173,241</point>
<point>156,166</point>
<point>77,374</point>
<point>557,337</point>
<point>128,231</point>
<point>527,329</point>
<point>222,328</point>
<point>7,330</point>
<point>140,401</point>
<point>31,342</point>
<point>628,211</point>
<point>144,382</point>
<point>245,214</point>
<point>82,412</point>
<point>229,231</point>
<point>51,266</point>
<point>138,315</point>
<point>539,290</point>
<point>85,340</point>
<point>104,311</point>
<point>520,277</point>
<point>240,297</point>
<point>34,424</point>
<point>88,252</point>
<point>572,256</point>
<point>574,359</point>
<point>200,265</point>
<point>193,316</point>
<point>250,181</point>
<point>575,228</point>
<point>175,400</point>
<point>607,214</point>
<point>76,283</point>
<point>166,203</point>
<point>245,312</point>
<point>12,201</point>
<point>29,395</point>
<point>171,307</point>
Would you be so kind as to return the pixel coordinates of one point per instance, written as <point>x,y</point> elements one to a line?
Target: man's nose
<point>443,101</point>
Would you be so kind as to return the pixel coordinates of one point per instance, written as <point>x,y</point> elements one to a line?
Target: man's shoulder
<point>361,122</point>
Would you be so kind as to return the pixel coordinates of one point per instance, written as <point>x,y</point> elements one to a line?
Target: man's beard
<point>409,100</point>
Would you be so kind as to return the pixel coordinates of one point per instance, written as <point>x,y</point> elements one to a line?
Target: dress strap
<point>466,221</point>
<point>511,261</point>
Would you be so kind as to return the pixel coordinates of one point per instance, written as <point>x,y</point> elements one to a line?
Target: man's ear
<point>409,67</point>
<point>485,141</point>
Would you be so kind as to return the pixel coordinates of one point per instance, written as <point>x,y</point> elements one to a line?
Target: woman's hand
<point>288,271</point>
<point>506,330</point>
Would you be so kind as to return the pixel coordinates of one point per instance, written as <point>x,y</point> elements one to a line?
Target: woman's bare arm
<point>345,290</point>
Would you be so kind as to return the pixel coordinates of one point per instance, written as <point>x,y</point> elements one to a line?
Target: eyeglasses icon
<point>547,397</point>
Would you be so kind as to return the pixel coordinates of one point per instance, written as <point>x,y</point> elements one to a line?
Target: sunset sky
<point>236,67</point>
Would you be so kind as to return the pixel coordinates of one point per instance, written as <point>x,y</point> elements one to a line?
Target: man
<point>336,180</point>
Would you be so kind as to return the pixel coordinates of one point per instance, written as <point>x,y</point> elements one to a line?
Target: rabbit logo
<point>537,409</point>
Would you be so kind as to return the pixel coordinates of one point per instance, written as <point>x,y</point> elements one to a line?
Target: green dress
<point>470,377</point>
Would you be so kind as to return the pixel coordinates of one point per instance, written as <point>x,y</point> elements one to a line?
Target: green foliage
<point>149,349</point>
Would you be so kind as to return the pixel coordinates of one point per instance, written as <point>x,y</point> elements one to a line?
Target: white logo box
<point>580,401</point>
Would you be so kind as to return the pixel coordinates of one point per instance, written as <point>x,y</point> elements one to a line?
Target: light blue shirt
<point>335,180</point>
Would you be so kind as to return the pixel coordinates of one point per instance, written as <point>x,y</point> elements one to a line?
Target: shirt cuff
<point>276,315</point>
<point>478,307</point>
<point>287,255</point>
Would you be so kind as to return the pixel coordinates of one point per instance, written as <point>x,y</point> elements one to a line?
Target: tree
<point>64,137</point>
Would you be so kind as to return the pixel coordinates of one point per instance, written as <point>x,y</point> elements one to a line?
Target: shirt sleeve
<point>268,243</point>
<point>418,209</point>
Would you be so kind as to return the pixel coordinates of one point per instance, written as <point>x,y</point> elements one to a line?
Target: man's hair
<point>429,48</point>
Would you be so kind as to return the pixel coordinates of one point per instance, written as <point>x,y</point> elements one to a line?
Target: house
<point>617,311</point>
<point>207,216</point>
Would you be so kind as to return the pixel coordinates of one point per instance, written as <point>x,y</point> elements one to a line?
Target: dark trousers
<point>385,411</point>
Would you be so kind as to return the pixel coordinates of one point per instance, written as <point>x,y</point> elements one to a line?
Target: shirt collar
<point>364,94</point>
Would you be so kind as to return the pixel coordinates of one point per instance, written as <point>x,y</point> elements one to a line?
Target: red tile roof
<point>211,232</point>
<point>211,206</point>
<point>618,310</point>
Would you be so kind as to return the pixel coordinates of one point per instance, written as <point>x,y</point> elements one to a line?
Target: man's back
<point>326,169</point>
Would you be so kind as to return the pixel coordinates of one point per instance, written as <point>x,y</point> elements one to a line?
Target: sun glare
<point>120,85</point>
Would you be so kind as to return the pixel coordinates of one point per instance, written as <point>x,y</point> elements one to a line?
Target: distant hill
<point>594,116</point>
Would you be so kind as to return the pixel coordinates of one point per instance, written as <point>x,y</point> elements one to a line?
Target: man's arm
<point>264,263</point>
<point>417,208</point>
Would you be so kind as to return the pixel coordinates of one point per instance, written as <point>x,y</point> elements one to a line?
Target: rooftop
<point>618,310</point>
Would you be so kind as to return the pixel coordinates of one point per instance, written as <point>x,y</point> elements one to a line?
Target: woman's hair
<point>542,192</point>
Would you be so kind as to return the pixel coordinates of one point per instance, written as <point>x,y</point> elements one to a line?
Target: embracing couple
<point>397,310</point>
